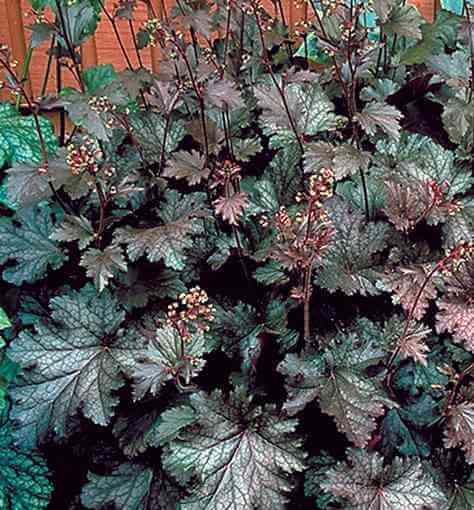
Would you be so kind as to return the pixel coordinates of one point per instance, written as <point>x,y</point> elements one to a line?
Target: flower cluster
<point>320,188</point>
<point>438,197</point>
<point>252,7</point>
<point>102,105</point>
<point>321,185</point>
<point>225,173</point>
<point>232,203</point>
<point>191,311</point>
<point>40,17</point>
<point>159,32</point>
<point>456,257</point>
<point>152,26</point>
<point>304,235</point>
<point>283,221</point>
<point>301,28</point>
<point>86,157</point>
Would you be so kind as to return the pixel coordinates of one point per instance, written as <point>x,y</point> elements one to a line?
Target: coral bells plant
<point>246,280</point>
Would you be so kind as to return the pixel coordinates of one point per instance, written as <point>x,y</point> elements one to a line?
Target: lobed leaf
<point>102,265</point>
<point>242,458</point>
<point>75,361</point>
<point>456,307</point>
<point>367,484</point>
<point>349,263</point>
<point>168,356</point>
<point>338,380</point>
<point>187,165</point>
<point>132,486</point>
<point>169,241</point>
<point>460,429</point>
<point>29,245</point>
<point>380,116</point>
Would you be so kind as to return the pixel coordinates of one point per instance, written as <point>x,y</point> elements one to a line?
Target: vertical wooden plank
<point>427,8</point>
<point>291,17</point>
<point>155,50</point>
<point>296,14</point>
<point>89,53</point>
<point>271,7</point>
<point>17,36</point>
<point>4,94</point>
<point>104,48</point>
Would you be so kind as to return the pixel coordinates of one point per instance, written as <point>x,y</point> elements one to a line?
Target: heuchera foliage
<point>245,281</point>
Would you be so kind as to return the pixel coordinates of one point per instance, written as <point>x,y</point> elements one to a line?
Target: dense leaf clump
<point>245,280</point>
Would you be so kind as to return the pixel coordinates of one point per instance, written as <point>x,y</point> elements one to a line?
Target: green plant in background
<point>6,367</point>
<point>24,476</point>
<point>244,282</point>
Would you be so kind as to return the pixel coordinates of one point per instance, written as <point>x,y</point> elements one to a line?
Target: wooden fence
<point>102,48</point>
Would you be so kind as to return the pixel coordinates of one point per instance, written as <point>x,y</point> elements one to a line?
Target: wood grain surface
<point>104,46</point>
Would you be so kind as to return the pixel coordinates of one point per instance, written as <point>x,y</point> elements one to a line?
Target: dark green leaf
<point>349,263</point>
<point>40,33</point>
<point>315,476</point>
<point>24,477</point>
<point>73,362</point>
<point>150,128</point>
<point>434,37</point>
<point>28,246</point>
<point>74,228</point>
<point>338,380</point>
<point>398,437</point>
<point>182,217</point>
<point>169,356</point>
<point>97,77</point>
<point>367,483</point>
<point>242,458</point>
<point>131,486</point>
<point>310,111</point>
<point>172,422</point>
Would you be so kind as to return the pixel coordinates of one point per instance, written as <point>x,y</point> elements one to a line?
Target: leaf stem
<point>191,31</point>
<point>227,34</point>
<point>411,313</point>
<point>103,206</point>
<point>26,68</point>
<point>283,20</point>
<point>117,34</point>
<point>69,44</point>
<point>307,291</point>
<point>275,82</point>
<point>62,113</point>
<point>48,66</point>
<point>34,112</point>
<point>33,108</point>
<point>135,44</point>
<point>241,40</point>
<point>459,381</point>
<point>165,140</point>
<point>199,97</point>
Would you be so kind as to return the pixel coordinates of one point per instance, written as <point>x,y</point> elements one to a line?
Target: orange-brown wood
<point>297,13</point>
<point>427,8</point>
<point>89,53</point>
<point>155,50</point>
<point>105,48</point>
<point>17,35</point>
